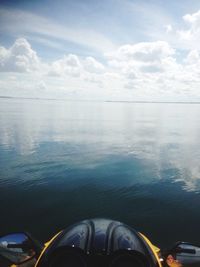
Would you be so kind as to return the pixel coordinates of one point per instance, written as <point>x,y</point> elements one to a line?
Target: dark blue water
<point>61,162</point>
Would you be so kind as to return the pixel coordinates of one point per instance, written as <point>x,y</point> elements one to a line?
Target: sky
<point>108,50</point>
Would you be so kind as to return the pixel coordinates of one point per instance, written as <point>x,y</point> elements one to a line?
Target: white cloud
<point>92,65</point>
<point>150,69</point>
<point>70,71</point>
<point>143,52</point>
<point>19,58</point>
<point>68,65</point>
<point>193,19</point>
<point>193,57</point>
<point>41,86</point>
<point>144,62</point>
<point>190,33</point>
<point>169,28</point>
<point>74,66</point>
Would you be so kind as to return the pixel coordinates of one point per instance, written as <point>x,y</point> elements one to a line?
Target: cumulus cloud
<point>74,66</point>
<point>192,32</point>
<point>143,52</point>
<point>145,62</point>
<point>147,68</point>
<point>68,65</point>
<point>193,57</point>
<point>152,68</point>
<point>92,65</point>
<point>42,86</point>
<point>168,28</point>
<point>149,57</point>
<point>19,58</point>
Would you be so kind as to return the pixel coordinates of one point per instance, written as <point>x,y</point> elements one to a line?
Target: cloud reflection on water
<point>165,136</point>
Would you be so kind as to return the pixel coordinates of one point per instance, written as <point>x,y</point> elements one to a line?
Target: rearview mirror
<point>187,254</point>
<point>17,248</point>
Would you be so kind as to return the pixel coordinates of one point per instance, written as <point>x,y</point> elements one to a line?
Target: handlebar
<point>14,246</point>
<point>185,250</point>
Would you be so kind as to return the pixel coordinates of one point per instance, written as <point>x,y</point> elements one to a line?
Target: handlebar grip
<point>14,246</point>
<point>186,250</point>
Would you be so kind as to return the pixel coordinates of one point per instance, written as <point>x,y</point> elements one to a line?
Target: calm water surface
<point>61,162</point>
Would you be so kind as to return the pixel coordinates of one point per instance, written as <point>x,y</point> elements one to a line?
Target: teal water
<point>61,162</point>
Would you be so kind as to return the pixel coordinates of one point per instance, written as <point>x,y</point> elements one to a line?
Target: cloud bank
<point>149,71</point>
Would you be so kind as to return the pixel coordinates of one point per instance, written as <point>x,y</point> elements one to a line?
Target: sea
<point>66,161</point>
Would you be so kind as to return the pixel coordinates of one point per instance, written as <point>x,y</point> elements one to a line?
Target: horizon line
<point>111,101</point>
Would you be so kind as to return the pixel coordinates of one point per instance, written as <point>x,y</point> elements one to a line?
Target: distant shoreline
<point>104,101</point>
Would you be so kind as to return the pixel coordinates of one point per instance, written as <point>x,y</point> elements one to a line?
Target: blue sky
<point>102,50</point>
